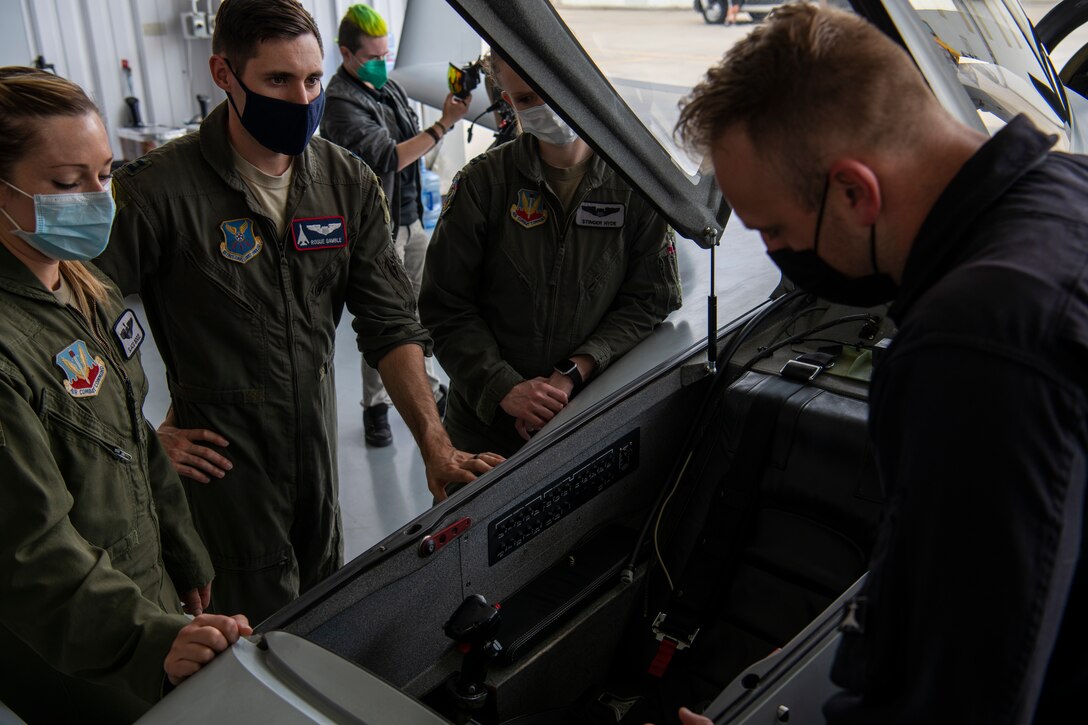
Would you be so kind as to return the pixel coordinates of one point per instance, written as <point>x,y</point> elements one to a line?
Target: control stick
<point>473,627</point>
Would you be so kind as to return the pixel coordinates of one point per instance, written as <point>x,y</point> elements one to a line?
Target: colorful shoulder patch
<point>606,215</point>
<point>129,333</point>
<point>85,374</point>
<point>529,209</point>
<point>321,232</point>
<point>240,241</point>
<point>449,195</point>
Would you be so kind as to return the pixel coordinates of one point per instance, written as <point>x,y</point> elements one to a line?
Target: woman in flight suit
<point>96,540</point>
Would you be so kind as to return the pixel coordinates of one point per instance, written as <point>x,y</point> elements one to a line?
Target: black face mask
<point>812,274</point>
<point>280,126</point>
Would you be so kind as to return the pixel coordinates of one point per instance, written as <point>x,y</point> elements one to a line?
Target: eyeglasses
<point>367,59</point>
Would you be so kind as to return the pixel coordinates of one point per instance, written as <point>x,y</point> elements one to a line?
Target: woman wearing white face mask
<point>544,268</point>
<point>96,541</point>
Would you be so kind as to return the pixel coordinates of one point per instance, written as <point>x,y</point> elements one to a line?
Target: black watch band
<point>568,368</point>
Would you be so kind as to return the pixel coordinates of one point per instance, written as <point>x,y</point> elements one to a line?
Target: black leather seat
<point>775,518</point>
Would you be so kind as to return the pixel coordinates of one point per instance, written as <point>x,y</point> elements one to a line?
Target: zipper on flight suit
<point>285,291</point>
<point>116,451</point>
<point>553,276</point>
<point>130,395</point>
<point>285,281</point>
<point>138,433</point>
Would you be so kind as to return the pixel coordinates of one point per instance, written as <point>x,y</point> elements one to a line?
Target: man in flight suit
<point>866,190</point>
<point>246,240</point>
<point>544,268</point>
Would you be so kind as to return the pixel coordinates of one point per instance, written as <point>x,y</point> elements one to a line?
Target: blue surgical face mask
<point>68,226</point>
<point>278,125</point>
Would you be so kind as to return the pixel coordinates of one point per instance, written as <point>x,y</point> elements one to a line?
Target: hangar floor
<point>380,488</point>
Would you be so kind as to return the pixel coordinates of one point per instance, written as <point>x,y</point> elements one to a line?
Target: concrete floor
<point>677,46</point>
<point>380,488</point>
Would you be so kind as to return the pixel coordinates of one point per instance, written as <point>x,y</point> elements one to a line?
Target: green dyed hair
<point>360,21</point>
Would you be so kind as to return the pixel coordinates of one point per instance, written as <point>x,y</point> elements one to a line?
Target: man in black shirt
<point>866,190</point>
<point>369,114</point>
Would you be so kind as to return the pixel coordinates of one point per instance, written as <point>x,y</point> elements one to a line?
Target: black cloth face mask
<point>812,274</point>
<point>280,126</point>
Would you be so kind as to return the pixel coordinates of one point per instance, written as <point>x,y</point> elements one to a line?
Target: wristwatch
<point>567,367</point>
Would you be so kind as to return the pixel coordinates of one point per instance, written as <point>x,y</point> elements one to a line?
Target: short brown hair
<point>242,25</point>
<point>804,84</point>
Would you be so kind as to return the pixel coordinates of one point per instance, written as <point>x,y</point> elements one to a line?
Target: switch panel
<point>524,521</point>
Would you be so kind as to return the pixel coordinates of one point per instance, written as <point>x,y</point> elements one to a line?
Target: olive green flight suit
<point>96,540</point>
<point>246,323</point>
<point>513,282</point>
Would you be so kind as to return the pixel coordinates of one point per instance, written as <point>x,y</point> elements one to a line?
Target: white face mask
<point>546,125</point>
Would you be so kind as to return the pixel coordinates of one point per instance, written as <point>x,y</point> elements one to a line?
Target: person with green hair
<point>369,114</point>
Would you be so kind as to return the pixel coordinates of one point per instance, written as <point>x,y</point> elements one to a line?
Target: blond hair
<point>808,83</point>
<point>27,97</point>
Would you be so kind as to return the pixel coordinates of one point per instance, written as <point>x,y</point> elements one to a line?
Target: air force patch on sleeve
<point>600,214</point>
<point>323,232</point>
<point>129,333</point>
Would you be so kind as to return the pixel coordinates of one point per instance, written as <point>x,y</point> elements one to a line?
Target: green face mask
<point>373,72</point>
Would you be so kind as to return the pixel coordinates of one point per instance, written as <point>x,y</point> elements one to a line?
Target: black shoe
<point>440,401</point>
<point>376,426</point>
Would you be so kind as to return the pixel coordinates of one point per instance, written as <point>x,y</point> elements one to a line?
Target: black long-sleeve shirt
<point>976,606</point>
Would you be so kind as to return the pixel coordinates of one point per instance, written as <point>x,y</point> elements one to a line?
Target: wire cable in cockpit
<point>807,335</point>
<point>667,493</point>
<point>720,381</point>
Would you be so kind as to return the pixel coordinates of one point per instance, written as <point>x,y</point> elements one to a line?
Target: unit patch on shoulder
<point>528,210</point>
<point>449,195</point>
<point>84,373</point>
<point>240,243</point>
<point>129,333</point>
<point>600,214</point>
<point>321,232</point>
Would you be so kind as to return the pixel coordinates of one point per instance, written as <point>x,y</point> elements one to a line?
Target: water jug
<point>431,193</point>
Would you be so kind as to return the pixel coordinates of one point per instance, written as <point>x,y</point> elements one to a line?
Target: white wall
<point>14,46</point>
<point>86,40</point>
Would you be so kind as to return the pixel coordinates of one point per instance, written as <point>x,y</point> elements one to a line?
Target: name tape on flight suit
<point>600,214</point>
<point>129,333</point>
<point>323,232</point>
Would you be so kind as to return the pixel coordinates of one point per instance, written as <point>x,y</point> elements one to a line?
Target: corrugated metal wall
<point>86,41</point>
